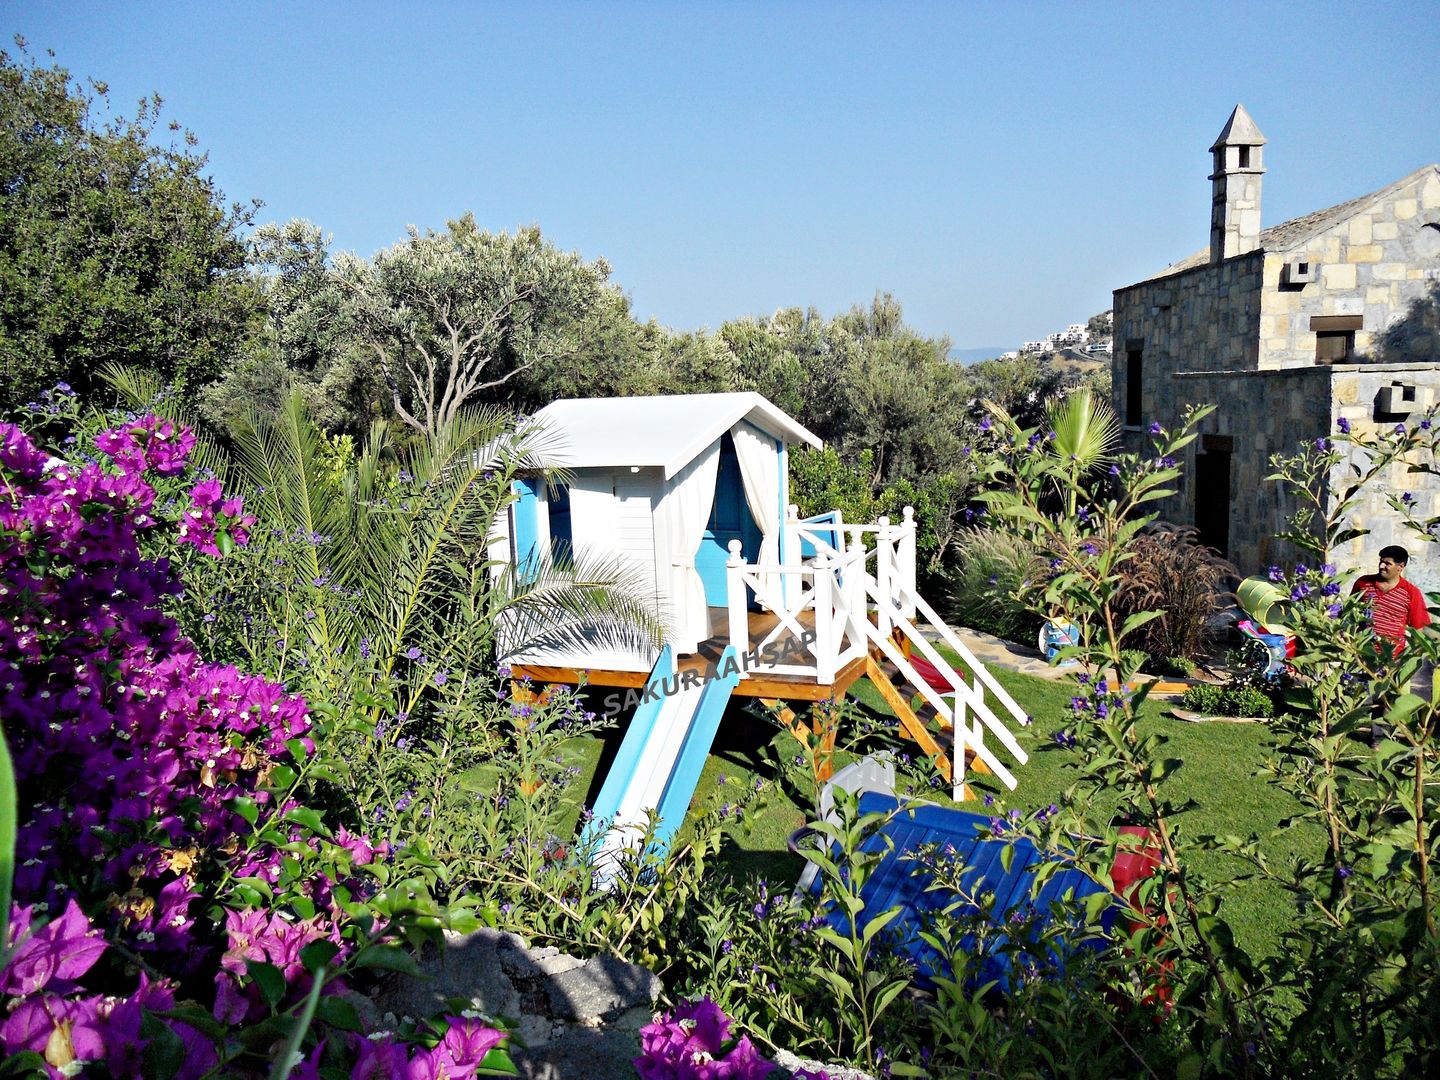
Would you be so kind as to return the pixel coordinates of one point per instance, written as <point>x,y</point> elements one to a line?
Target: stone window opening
<point>1335,338</point>
<point>1334,346</point>
<point>1133,387</point>
<point>1244,157</point>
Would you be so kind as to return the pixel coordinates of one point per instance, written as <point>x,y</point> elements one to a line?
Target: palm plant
<point>370,584</point>
<point>1087,434</point>
<point>402,536</point>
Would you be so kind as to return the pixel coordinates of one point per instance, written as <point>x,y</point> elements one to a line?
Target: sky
<point>999,168</point>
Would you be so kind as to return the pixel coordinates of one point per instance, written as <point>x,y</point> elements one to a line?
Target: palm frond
<point>579,600</point>
<point>1087,431</point>
<point>143,391</point>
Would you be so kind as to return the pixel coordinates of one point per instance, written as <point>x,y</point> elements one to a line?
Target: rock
<point>791,1063</point>
<point>468,967</point>
<point>600,988</point>
<point>573,1019</point>
<point>581,1053</point>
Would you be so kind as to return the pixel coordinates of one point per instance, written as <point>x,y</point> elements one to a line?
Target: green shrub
<point>1177,666</point>
<point>994,570</point>
<point>1229,699</point>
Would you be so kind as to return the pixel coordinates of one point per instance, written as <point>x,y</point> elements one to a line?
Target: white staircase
<point>855,585</point>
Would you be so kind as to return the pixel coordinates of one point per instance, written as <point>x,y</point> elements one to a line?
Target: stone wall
<point>1259,414</point>
<point>1263,413</point>
<point>1203,319</point>
<point>1381,264</point>
<point>1356,390</point>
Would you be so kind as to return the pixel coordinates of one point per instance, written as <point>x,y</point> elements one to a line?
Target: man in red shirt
<point>1394,603</point>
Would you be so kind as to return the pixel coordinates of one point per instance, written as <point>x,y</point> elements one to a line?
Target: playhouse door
<point>729,520</point>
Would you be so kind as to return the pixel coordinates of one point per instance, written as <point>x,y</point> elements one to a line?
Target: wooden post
<point>735,599</point>
<point>825,720</point>
<point>824,598</point>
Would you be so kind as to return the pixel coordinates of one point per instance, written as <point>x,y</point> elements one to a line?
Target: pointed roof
<point>1239,130</point>
<point>1299,231</point>
<point>668,431</point>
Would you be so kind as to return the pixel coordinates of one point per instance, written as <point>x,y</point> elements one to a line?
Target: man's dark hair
<point>1395,553</point>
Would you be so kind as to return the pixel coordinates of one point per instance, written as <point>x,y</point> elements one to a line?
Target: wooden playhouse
<point>690,495</point>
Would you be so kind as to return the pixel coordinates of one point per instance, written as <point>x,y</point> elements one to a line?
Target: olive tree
<point>449,316</point>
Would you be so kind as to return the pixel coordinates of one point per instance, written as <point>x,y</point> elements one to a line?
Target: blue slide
<point>664,750</point>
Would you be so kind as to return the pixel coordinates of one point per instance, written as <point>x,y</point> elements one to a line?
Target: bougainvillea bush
<point>179,909</point>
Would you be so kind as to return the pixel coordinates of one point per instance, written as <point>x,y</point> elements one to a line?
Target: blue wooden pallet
<point>896,882</point>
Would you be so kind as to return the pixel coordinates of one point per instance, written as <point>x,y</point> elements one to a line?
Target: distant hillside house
<point>1287,330</point>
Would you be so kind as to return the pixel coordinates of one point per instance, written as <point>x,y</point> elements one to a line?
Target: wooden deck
<point>706,659</point>
<point>782,691</point>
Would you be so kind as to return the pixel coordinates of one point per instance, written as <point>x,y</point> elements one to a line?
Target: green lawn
<point>1218,777</point>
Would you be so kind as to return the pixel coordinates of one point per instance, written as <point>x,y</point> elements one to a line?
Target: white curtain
<point>683,513</point>
<point>760,470</point>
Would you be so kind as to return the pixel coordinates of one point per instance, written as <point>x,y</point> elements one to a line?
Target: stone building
<point>1286,330</point>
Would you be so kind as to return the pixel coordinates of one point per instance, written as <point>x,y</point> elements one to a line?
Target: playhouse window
<point>562,539</point>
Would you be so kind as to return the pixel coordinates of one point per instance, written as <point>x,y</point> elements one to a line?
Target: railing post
<point>792,549</point>
<point>884,575</point>
<point>957,765</point>
<point>906,557</point>
<point>855,587</point>
<point>735,599</point>
<point>824,618</point>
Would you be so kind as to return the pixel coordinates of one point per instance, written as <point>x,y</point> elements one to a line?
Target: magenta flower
<point>52,956</point>
<point>692,1043</point>
<point>464,1047</point>
<point>212,520</point>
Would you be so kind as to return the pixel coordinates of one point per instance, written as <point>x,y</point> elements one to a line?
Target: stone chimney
<point>1239,167</point>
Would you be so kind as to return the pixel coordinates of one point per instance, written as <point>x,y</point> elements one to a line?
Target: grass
<point>1217,782</point>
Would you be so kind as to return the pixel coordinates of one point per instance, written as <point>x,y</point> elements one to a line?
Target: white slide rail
<point>652,772</point>
<point>965,698</point>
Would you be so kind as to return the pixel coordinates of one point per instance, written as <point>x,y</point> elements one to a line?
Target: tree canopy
<point>452,314</point>
<point>113,247</point>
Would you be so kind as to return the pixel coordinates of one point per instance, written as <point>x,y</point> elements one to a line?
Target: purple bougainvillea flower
<point>465,1045</point>
<point>52,956</point>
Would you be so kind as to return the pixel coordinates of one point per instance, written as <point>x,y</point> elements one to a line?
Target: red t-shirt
<point>1392,610</point>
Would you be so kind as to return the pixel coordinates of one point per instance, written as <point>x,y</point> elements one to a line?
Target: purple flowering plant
<point>172,891</point>
<point>693,1042</point>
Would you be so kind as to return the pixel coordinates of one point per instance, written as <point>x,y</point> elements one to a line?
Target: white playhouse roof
<point>668,431</point>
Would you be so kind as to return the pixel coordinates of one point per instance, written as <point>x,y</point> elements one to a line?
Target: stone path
<point>996,652</point>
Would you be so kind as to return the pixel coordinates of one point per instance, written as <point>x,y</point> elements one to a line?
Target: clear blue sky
<point>999,167</point>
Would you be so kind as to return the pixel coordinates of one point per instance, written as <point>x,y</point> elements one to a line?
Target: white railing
<point>857,590</point>
<point>831,591</point>
<point>966,700</point>
<point>890,548</point>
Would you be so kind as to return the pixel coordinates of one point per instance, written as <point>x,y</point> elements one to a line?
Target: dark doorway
<point>1212,499</point>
